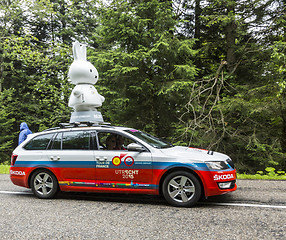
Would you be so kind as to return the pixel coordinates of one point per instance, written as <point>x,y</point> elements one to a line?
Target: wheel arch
<point>175,169</point>
<point>38,169</point>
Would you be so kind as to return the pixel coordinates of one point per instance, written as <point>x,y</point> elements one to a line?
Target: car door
<point>71,155</point>
<point>117,167</point>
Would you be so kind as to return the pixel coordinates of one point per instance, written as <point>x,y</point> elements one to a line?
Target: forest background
<point>200,73</point>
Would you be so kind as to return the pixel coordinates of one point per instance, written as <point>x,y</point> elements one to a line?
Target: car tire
<point>44,184</point>
<point>181,189</point>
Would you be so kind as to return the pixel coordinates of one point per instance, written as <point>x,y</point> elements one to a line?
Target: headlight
<point>217,165</point>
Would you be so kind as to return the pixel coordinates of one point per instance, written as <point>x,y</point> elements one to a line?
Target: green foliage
<point>238,108</point>
<point>269,173</point>
<point>144,64</point>
<point>4,169</point>
<point>33,86</point>
<point>261,177</point>
<point>6,128</point>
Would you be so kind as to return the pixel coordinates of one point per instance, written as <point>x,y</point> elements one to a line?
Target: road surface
<point>257,210</point>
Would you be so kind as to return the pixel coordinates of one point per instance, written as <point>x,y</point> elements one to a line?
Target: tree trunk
<point>230,41</point>
<point>1,71</point>
<point>283,116</point>
<point>198,12</point>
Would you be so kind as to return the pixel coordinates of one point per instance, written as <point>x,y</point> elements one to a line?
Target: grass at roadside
<point>258,176</point>
<point>4,169</point>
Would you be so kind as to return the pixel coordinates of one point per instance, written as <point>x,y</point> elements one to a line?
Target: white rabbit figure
<point>84,96</point>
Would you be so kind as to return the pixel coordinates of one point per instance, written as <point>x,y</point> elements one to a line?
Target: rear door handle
<point>101,158</point>
<point>55,158</point>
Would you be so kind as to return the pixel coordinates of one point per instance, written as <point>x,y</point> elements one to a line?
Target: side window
<point>39,143</point>
<point>112,141</point>
<point>76,140</point>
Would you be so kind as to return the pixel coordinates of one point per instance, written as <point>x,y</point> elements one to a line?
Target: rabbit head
<point>82,71</point>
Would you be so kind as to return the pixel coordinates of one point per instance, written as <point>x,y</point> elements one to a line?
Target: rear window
<point>74,140</point>
<point>39,143</point>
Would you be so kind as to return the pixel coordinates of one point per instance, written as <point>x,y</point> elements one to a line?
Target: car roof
<point>81,127</point>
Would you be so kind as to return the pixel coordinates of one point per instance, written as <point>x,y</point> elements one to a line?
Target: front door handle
<point>101,158</point>
<point>55,158</point>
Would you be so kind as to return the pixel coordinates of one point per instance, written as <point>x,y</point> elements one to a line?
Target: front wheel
<point>181,189</point>
<point>44,184</point>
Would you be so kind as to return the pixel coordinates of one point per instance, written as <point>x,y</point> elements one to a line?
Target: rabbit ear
<point>79,51</point>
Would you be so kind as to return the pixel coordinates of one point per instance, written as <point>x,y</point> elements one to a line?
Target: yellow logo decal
<point>116,161</point>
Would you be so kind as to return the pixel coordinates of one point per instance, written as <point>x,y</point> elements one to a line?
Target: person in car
<point>119,143</point>
<point>111,142</point>
<point>24,132</point>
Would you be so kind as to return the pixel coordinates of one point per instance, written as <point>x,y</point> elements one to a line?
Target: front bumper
<point>218,182</point>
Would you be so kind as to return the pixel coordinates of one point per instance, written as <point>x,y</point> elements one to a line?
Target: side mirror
<point>135,147</point>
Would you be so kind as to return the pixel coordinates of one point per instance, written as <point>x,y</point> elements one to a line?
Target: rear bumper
<point>19,176</point>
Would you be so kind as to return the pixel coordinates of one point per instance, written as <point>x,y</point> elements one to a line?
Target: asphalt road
<point>257,210</point>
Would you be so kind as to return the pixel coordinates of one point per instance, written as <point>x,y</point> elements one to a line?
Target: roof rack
<point>79,124</point>
<point>50,129</point>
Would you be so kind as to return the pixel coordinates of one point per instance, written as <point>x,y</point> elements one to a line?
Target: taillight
<point>13,159</point>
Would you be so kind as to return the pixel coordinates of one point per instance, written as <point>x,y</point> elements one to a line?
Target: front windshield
<point>153,141</point>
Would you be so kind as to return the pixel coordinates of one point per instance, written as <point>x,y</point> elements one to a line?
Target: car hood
<point>194,154</point>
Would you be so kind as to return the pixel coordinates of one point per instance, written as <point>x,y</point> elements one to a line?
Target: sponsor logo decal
<point>134,130</point>
<point>127,174</point>
<point>107,185</point>
<point>116,161</point>
<point>223,177</point>
<point>129,161</point>
<point>18,173</point>
<point>102,164</point>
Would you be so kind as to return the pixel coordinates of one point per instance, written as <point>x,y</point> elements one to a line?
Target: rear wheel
<point>44,184</point>
<point>181,189</point>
